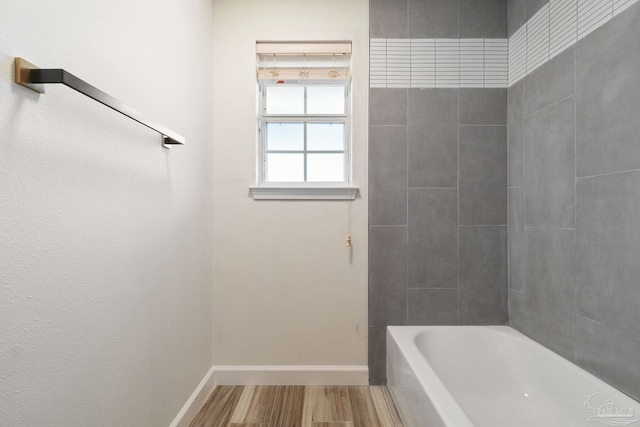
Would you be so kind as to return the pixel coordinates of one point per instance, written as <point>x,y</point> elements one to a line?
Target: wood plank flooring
<point>298,406</point>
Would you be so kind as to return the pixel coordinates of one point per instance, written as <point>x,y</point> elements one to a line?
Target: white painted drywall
<point>287,290</point>
<point>105,237</point>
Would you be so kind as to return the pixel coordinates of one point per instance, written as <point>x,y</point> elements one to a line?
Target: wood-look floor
<point>298,406</point>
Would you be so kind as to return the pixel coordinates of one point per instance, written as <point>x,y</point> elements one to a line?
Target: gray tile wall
<point>437,185</point>
<point>574,201</point>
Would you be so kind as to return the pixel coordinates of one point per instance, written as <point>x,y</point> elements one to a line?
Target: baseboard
<point>196,401</point>
<point>267,375</point>
<point>290,375</point>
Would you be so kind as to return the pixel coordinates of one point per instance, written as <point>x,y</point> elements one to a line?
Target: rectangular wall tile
<point>517,252</point>
<point>550,167</point>
<point>483,275</point>
<point>515,131</point>
<point>378,63</point>
<point>518,55</point>
<point>563,25</point>
<point>592,14</point>
<point>609,354</point>
<point>538,39</point>
<point>608,227</point>
<point>387,107</point>
<point>387,275</point>
<point>432,138</point>
<point>388,18</point>
<point>388,175</point>
<point>433,18</point>
<point>433,155</point>
<point>436,106</point>
<point>608,97</point>
<point>483,18</point>
<point>620,6</point>
<point>423,63</point>
<point>433,238</point>
<point>471,62</point>
<point>377,354</point>
<point>550,83</point>
<point>515,15</point>
<point>551,287</point>
<point>517,312</point>
<point>532,7</point>
<point>483,175</point>
<point>447,63</point>
<point>496,63</point>
<point>482,106</point>
<point>398,63</point>
<point>433,306</point>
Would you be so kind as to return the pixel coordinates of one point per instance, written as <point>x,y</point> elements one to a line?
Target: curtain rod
<point>32,77</point>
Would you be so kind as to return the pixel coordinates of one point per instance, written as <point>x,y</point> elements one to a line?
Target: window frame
<point>306,119</point>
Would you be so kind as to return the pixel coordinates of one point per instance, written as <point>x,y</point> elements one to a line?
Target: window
<point>304,115</point>
<point>304,133</point>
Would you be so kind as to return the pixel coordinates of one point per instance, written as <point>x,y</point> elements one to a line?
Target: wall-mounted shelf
<point>32,77</point>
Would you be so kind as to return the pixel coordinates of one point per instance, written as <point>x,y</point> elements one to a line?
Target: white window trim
<point>306,192</point>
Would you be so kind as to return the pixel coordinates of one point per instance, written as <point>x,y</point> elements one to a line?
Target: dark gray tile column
<point>433,238</point>
<point>550,167</point>
<point>483,175</point>
<point>551,287</point>
<point>483,275</point>
<point>608,97</point>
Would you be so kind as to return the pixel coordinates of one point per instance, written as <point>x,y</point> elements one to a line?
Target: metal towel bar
<point>32,77</point>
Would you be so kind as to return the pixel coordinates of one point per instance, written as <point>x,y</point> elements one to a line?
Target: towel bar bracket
<point>33,77</point>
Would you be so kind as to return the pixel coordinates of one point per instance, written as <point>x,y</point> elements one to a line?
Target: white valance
<point>296,61</point>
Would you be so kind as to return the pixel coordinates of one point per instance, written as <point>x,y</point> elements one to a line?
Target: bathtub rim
<point>415,359</point>
<point>447,408</point>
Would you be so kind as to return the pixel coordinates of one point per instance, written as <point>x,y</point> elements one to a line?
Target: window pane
<point>285,136</point>
<point>325,100</point>
<point>325,136</point>
<point>325,168</point>
<point>285,100</point>
<point>283,167</point>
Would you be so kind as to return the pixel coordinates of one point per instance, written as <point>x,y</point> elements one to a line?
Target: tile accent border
<point>488,63</point>
<point>438,63</point>
<point>557,26</point>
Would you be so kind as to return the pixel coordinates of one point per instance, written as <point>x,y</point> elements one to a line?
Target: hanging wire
<point>274,71</point>
<point>304,74</point>
<point>333,73</point>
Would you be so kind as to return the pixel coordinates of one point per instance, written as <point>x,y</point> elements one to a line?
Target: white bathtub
<point>493,376</point>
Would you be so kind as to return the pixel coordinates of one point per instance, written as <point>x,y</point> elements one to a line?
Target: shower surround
<point>445,180</point>
<point>438,183</point>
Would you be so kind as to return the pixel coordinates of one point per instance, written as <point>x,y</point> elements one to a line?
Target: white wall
<point>105,237</point>
<point>287,290</point>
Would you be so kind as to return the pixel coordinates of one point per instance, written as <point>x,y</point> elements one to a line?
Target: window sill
<point>284,192</point>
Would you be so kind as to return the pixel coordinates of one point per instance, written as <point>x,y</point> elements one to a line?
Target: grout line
<point>406,248</point>
<point>548,106</point>
<point>604,174</point>
<point>432,188</point>
<point>542,227</point>
<point>575,198</point>
<point>482,125</point>
<point>388,126</point>
<point>458,315</point>
<point>482,225</point>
